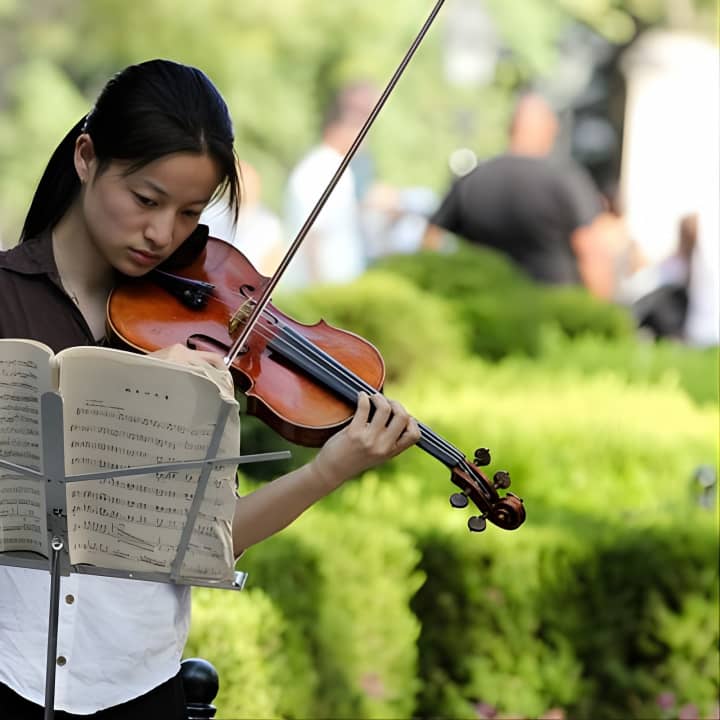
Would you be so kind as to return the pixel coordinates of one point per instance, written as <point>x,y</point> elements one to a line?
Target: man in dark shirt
<point>523,203</point>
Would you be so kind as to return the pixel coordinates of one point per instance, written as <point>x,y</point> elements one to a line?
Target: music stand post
<point>55,482</point>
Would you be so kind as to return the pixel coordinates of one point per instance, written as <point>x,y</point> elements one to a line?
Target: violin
<point>301,380</point>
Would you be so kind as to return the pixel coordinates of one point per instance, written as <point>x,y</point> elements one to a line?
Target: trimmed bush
<point>604,603</point>
<point>332,635</point>
<point>243,635</point>
<point>363,631</point>
<point>502,309</point>
<point>607,596</point>
<point>593,622</point>
<point>665,362</point>
<point>409,327</point>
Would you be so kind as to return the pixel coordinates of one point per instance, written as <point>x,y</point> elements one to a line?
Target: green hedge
<point>336,636</point>
<point>380,604</point>
<point>411,328</point>
<point>244,636</point>
<point>599,622</point>
<point>604,599</point>
<point>502,310</point>
<point>665,362</point>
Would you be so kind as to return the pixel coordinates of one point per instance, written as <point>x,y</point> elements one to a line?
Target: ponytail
<point>145,112</point>
<point>57,188</point>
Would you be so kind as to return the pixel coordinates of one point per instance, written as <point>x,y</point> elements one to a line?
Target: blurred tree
<point>276,64</point>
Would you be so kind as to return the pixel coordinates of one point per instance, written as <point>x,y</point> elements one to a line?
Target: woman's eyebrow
<point>161,191</point>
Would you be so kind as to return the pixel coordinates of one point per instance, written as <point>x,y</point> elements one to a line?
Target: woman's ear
<point>84,157</point>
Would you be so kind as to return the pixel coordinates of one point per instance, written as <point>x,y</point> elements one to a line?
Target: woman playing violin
<point>121,193</point>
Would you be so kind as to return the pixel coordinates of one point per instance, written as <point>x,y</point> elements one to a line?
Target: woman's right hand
<point>210,363</point>
<point>185,356</point>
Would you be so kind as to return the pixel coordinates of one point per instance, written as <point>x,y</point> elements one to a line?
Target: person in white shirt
<point>333,251</point>
<point>257,232</point>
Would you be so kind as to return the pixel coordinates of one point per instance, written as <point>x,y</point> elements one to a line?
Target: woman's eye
<point>146,201</point>
<point>191,213</point>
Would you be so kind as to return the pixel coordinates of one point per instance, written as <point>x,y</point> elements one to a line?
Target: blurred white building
<point>671,161</point>
<point>670,149</point>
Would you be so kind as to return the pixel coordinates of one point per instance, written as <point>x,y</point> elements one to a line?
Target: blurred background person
<point>525,203</point>
<point>605,251</point>
<point>657,292</point>
<point>392,219</point>
<point>258,232</point>
<point>355,101</point>
<point>333,251</point>
<point>702,320</point>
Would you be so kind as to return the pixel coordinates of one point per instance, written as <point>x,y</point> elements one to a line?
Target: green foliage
<point>604,599</point>
<point>411,328</point>
<point>664,362</point>
<point>243,636</point>
<point>503,311</point>
<point>576,312</point>
<point>363,630</point>
<point>569,441</point>
<point>330,634</point>
<point>33,88</point>
<point>569,619</point>
<point>689,635</point>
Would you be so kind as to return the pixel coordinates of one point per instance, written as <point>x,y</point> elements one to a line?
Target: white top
<point>333,251</point>
<point>117,639</point>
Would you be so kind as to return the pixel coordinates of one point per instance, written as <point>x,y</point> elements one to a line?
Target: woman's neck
<point>84,273</point>
<point>83,270</point>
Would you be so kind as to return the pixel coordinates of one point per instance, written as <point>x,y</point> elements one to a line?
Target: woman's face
<point>136,220</point>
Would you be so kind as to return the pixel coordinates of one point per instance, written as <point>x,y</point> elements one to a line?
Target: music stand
<point>54,480</point>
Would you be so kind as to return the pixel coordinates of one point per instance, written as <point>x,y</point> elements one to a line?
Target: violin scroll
<point>507,512</point>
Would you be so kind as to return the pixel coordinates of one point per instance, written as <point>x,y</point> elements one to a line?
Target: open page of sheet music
<point>25,374</point>
<point>120,410</point>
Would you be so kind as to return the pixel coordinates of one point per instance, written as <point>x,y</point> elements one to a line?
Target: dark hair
<point>143,113</point>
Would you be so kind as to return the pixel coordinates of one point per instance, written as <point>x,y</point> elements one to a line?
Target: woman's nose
<point>159,231</point>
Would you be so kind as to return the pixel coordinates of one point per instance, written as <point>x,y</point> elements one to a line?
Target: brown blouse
<point>33,304</point>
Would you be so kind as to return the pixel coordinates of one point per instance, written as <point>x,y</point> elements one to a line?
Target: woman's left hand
<point>380,430</point>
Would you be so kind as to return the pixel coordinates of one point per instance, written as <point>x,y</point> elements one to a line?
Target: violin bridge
<point>240,316</point>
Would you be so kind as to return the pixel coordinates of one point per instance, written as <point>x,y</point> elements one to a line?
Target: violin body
<point>143,317</point>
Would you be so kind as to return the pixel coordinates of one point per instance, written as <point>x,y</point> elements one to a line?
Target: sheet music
<point>25,375</point>
<point>120,413</point>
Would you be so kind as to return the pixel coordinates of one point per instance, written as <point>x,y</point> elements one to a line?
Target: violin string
<point>296,346</point>
<point>294,341</point>
<point>430,441</point>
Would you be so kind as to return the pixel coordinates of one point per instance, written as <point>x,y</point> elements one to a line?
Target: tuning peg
<point>477,523</point>
<point>501,480</point>
<point>458,500</point>
<point>482,457</point>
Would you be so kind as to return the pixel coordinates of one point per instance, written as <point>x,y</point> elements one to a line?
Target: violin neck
<point>344,383</point>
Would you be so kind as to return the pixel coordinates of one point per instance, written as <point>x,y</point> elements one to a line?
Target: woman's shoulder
<point>31,257</point>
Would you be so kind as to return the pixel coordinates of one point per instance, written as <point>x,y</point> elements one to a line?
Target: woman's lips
<point>144,258</point>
